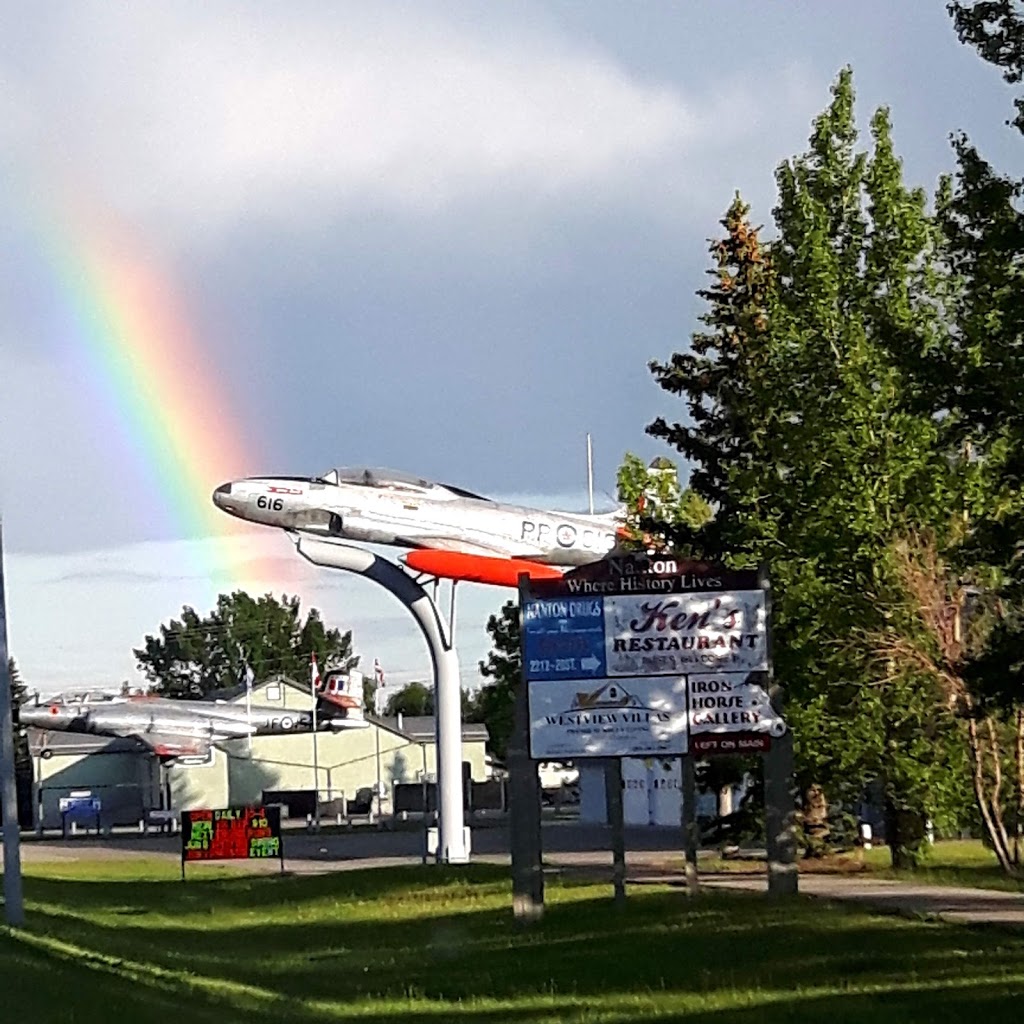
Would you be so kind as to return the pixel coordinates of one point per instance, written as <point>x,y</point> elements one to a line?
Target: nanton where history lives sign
<point>640,656</point>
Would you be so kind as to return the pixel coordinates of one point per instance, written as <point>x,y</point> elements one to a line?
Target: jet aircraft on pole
<point>452,533</point>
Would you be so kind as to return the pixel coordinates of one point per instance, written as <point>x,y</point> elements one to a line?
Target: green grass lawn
<point>951,862</point>
<point>130,942</point>
<point>966,862</point>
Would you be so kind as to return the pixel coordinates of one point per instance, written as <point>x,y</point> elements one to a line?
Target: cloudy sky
<point>442,237</point>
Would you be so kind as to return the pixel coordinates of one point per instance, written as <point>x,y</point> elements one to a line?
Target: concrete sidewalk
<point>948,903</point>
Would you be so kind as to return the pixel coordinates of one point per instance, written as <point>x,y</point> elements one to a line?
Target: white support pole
<point>451,845</point>
<point>14,904</point>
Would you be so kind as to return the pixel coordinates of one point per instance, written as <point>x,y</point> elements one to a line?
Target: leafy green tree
<point>414,699</point>
<point>193,656</point>
<point>418,699</point>
<point>812,446</point>
<point>495,700</point>
<point>657,507</point>
<point>995,28</point>
<point>369,695</point>
<point>975,391</point>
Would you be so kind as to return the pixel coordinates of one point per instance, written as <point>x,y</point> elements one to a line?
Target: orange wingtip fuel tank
<point>456,565</point>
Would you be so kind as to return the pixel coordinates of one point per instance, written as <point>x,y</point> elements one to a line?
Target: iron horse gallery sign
<point>641,656</point>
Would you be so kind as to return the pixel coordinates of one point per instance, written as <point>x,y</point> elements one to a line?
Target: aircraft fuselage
<point>405,512</point>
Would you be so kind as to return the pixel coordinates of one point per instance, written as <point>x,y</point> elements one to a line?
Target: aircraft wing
<point>469,547</point>
<point>168,744</point>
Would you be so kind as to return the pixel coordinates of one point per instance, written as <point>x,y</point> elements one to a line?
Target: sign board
<point>607,718</point>
<point>640,574</point>
<point>685,633</point>
<point>84,805</point>
<point>710,743</point>
<point>233,833</point>
<point>564,638</point>
<point>640,656</point>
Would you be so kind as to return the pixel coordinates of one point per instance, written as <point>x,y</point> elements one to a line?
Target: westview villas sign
<point>609,718</point>
<point>649,716</point>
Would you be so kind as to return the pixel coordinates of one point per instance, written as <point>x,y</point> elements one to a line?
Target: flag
<point>378,673</point>
<point>314,673</point>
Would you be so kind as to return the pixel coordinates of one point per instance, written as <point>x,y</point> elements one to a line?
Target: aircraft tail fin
<point>615,515</point>
<point>341,695</point>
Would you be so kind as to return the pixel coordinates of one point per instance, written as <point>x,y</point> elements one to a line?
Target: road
<point>566,843</point>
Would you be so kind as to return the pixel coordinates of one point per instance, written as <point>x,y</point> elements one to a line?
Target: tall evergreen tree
<point>19,691</point>
<point>19,694</point>
<point>723,381</point>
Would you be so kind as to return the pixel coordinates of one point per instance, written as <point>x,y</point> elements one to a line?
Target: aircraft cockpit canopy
<point>86,697</point>
<point>369,477</point>
<point>394,480</point>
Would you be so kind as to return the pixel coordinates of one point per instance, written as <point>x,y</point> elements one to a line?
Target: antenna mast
<point>590,473</point>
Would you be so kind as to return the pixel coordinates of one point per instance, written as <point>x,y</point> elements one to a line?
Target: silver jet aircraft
<point>180,728</point>
<point>453,533</point>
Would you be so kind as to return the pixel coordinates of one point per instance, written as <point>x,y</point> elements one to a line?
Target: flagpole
<point>248,708</point>
<point>590,473</point>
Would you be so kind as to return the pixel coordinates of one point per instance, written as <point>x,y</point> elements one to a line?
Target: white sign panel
<point>651,791</point>
<point>672,635</point>
<point>727,702</point>
<point>607,717</point>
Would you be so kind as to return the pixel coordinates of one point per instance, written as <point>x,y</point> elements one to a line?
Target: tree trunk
<point>1019,758</point>
<point>996,795</point>
<point>981,796</point>
<point>815,820</point>
<point>904,834</point>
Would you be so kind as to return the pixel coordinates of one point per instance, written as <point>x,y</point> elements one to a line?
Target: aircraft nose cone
<point>39,715</point>
<point>220,494</point>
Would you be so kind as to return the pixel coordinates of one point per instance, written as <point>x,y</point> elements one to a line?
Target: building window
<point>274,691</point>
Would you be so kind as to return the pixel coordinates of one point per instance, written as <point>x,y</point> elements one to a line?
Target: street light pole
<point>14,906</point>
<point>452,846</point>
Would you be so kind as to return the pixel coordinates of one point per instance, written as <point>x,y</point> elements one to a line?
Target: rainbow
<point>135,347</point>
